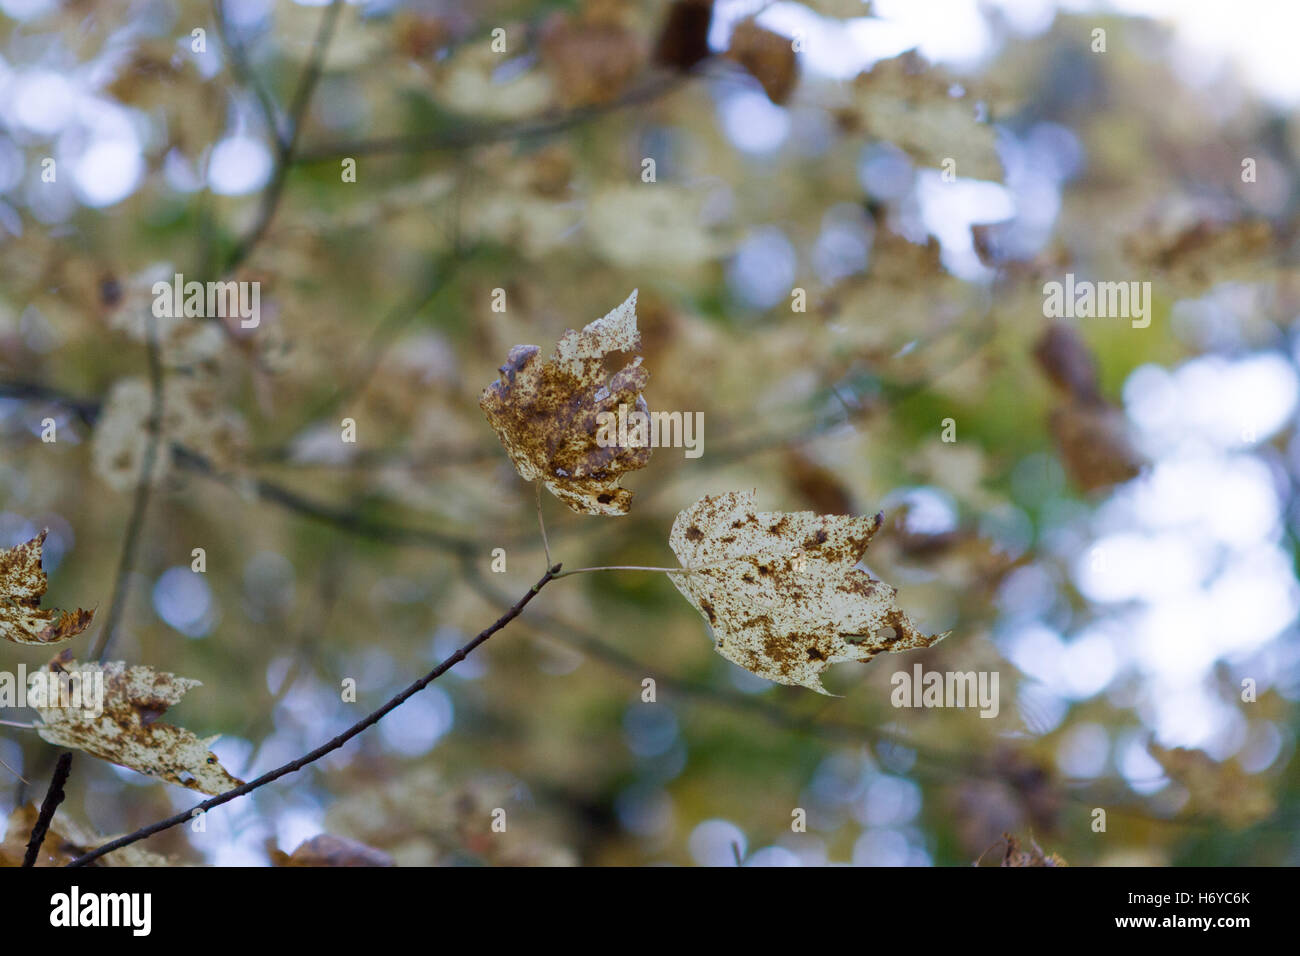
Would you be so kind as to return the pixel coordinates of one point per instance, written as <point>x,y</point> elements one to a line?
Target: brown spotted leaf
<point>547,414</point>
<point>22,584</point>
<point>781,591</point>
<point>128,732</point>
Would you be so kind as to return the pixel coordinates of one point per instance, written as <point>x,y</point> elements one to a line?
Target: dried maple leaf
<point>545,413</point>
<point>328,850</point>
<point>781,591</point>
<point>22,584</point>
<point>127,732</point>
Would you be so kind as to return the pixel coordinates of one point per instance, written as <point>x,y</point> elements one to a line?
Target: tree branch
<point>366,722</point>
<point>467,135</point>
<point>143,490</point>
<point>287,140</point>
<point>53,797</point>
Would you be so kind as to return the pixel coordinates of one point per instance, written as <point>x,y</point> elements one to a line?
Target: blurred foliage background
<point>1112,530</point>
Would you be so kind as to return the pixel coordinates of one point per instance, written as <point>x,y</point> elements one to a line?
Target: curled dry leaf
<point>545,413</point>
<point>329,850</point>
<point>768,57</point>
<point>781,591</point>
<point>22,584</point>
<point>127,732</point>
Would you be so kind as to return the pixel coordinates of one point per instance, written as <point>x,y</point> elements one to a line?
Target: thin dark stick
<point>288,139</point>
<point>468,134</point>
<point>143,490</point>
<point>350,521</point>
<point>53,797</point>
<point>366,722</point>
<point>243,71</point>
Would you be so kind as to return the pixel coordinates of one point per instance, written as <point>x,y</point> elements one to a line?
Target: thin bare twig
<point>143,489</point>
<point>243,70</point>
<point>465,135</point>
<point>334,744</point>
<point>287,140</point>
<point>53,797</point>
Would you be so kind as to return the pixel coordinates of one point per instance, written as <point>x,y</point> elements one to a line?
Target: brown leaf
<point>1068,362</point>
<point>817,484</point>
<point>128,732</point>
<point>1094,444</point>
<point>1091,435</point>
<point>22,584</point>
<point>1034,856</point>
<point>328,850</point>
<point>545,413</point>
<point>592,58</point>
<point>766,56</point>
<point>684,39</point>
<point>781,592</point>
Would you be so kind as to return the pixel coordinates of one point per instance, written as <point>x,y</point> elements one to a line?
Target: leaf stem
<point>638,567</point>
<point>541,523</point>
